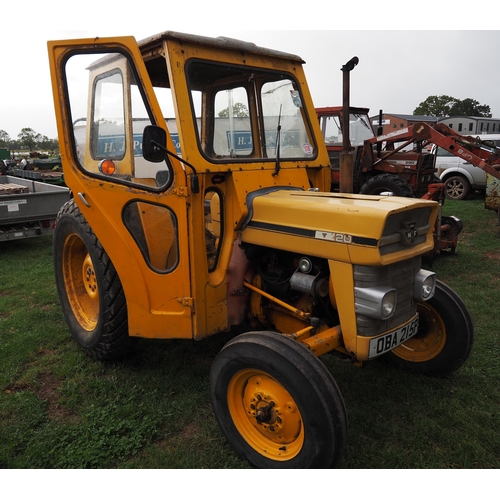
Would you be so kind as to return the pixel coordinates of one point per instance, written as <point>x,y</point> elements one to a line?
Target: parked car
<point>459,176</point>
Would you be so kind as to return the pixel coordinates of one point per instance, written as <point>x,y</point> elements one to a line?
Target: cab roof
<point>220,42</point>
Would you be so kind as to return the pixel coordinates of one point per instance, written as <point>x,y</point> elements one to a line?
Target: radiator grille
<point>400,276</point>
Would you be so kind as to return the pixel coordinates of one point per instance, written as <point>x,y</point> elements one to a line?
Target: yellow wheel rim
<point>430,339</point>
<point>80,282</point>
<point>265,415</point>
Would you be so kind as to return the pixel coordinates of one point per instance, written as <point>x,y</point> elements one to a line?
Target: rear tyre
<point>387,183</point>
<point>457,187</point>
<point>90,291</point>
<point>444,339</point>
<point>277,404</point>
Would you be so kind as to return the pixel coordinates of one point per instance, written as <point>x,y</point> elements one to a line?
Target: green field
<point>60,409</point>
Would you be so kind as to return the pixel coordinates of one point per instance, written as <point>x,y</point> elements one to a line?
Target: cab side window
<point>213,226</point>
<point>154,229</point>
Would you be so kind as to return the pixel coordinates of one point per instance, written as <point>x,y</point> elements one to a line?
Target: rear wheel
<point>444,339</point>
<point>90,291</point>
<point>457,187</point>
<point>277,404</point>
<point>387,183</point>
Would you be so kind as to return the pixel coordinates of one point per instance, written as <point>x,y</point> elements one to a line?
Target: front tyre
<point>444,339</point>
<point>90,291</point>
<point>277,404</point>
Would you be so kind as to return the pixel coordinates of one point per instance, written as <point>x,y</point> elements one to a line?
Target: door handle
<point>84,201</point>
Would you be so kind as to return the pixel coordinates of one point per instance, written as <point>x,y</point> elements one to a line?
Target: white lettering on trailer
<point>12,205</point>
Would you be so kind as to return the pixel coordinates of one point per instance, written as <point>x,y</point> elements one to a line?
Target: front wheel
<point>444,339</point>
<point>90,291</point>
<point>277,404</point>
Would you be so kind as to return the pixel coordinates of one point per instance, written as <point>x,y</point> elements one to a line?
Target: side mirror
<point>154,139</point>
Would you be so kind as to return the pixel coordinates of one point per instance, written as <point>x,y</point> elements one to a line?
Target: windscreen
<point>248,113</point>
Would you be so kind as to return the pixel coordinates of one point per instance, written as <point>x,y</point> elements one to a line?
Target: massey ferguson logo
<point>408,232</point>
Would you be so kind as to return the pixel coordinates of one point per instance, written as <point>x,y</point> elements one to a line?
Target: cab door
<point>137,209</point>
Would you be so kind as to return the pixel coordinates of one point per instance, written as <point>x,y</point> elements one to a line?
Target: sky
<point>428,50</point>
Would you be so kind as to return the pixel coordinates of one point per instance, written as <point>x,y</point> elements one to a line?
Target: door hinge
<point>181,191</point>
<point>186,301</point>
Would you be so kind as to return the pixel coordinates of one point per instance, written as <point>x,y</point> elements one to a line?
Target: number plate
<point>389,341</point>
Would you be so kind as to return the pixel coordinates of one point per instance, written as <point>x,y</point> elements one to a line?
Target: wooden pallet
<point>13,189</point>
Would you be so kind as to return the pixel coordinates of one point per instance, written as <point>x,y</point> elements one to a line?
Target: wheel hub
<point>455,189</point>
<point>80,281</point>
<point>89,277</point>
<point>271,409</point>
<point>430,339</point>
<point>264,413</point>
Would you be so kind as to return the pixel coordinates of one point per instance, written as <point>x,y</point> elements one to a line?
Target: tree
<point>471,107</point>
<point>445,105</point>
<point>239,110</point>
<point>5,139</point>
<point>29,138</point>
<point>48,144</point>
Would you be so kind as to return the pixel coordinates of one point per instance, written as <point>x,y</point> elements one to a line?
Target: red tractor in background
<point>396,164</point>
<point>400,163</point>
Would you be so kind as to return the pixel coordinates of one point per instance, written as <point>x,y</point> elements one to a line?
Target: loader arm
<point>471,149</point>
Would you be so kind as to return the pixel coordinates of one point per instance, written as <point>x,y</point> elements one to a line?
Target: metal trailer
<point>29,208</point>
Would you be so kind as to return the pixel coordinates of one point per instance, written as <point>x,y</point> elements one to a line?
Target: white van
<point>459,176</point>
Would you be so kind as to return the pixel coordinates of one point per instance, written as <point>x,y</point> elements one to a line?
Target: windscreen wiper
<point>278,141</point>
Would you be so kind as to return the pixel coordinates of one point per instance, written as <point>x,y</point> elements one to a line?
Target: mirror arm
<point>195,184</point>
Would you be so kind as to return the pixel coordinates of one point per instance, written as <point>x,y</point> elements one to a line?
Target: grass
<point>60,409</point>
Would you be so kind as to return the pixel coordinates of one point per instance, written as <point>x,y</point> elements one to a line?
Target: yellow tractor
<point>201,205</point>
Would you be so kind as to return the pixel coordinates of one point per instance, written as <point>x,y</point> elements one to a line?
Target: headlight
<point>425,285</point>
<point>377,302</point>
